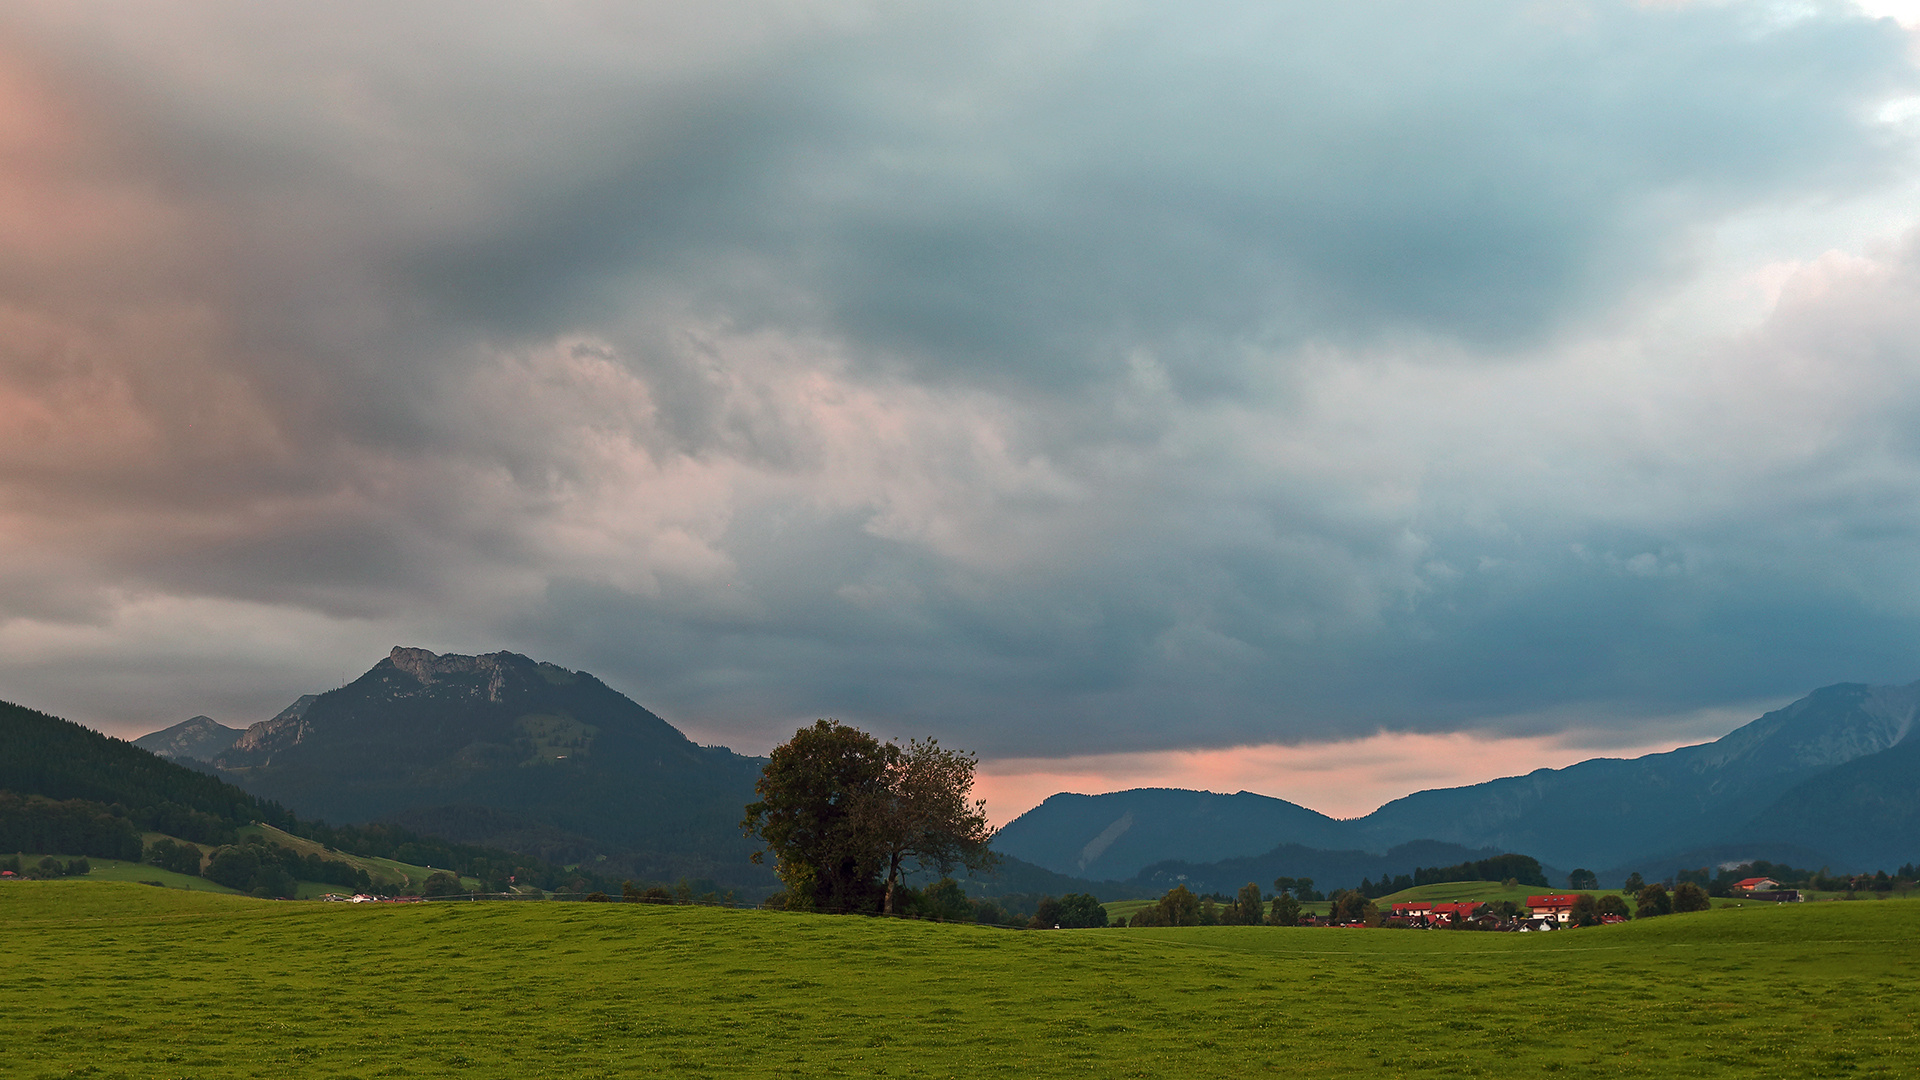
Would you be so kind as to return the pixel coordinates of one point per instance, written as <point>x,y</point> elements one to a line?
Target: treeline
<point>1519,869</point>
<point>1719,881</point>
<point>498,870</point>
<point>47,867</point>
<point>256,866</point>
<point>68,826</point>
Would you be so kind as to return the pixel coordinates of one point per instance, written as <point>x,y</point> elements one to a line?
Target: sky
<point>1324,400</point>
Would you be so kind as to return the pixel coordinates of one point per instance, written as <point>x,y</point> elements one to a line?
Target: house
<point>1454,914</point>
<point>1558,908</point>
<point>1417,913</point>
<point>1776,896</point>
<point>1755,884</point>
<point>1534,925</point>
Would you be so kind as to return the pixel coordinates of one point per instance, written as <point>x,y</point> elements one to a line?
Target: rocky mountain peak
<point>200,738</point>
<point>430,667</point>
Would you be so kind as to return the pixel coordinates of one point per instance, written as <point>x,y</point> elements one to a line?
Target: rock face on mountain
<point>503,750</point>
<point>1834,775</point>
<point>199,739</point>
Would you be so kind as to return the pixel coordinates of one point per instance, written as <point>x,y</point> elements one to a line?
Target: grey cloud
<point>1056,379</point>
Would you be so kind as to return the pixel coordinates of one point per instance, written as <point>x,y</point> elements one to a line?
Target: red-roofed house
<point>1425,913</point>
<point>1756,884</point>
<point>1414,911</point>
<point>1557,908</point>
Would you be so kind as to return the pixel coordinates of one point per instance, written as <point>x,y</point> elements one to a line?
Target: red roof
<point>1550,901</point>
<point>1412,908</point>
<point>1754,882</point>
<point>1464,909</point>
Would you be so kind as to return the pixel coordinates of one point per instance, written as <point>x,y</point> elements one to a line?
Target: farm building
<point>1557,908</point>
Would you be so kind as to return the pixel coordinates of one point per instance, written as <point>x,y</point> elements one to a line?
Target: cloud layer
<point>1071,380</point>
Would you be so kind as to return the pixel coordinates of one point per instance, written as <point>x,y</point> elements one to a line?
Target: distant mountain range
<point>504,751</point>
<point>1830,779</point>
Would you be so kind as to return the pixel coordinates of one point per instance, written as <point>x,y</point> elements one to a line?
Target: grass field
<point>122,980</point>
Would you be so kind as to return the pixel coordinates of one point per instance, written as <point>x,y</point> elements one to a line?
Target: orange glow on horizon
<point>1339,779</point>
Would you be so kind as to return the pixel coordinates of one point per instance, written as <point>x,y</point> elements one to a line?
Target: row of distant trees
<point>1518,869</point>
<point>255,866</point>
<point>1180,906</point>
<point>1719,881</point>
<point>47,867</point>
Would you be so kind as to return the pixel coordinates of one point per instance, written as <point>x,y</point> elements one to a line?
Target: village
<point>1557,911</point>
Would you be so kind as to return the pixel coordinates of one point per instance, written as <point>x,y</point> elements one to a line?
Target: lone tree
<point>842,812</point>
<point>920,810</point>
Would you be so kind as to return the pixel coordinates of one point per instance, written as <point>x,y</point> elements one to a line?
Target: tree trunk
<point>893,871</point>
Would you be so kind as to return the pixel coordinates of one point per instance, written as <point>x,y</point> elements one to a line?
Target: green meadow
<point>110,979</point>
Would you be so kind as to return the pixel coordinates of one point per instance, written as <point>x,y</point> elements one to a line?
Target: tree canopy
<point>843,813</point>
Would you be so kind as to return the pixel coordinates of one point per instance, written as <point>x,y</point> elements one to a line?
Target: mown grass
<point>117,980</point>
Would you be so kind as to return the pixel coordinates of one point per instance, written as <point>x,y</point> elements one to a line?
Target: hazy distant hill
<point>1827,778</point>
<point>506,751</point>
<point>199,739</point>
<point>1116,834</point>
<point>1609,811</point>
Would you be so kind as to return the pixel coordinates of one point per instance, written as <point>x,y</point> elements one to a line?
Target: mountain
<point>198,739</point>
<point>1116,834</point>
<point>1610,811</point>
<point>506,751</point>
<point>68,790</point>
<point>1829,778</point>
<point>1860,815</point>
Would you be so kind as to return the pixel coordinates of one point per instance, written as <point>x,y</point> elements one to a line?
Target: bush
<point>177,857</point>
<point>443,883</point>
<point>947,901</point>
<point>1072,911</point>
<point>1689,896</point>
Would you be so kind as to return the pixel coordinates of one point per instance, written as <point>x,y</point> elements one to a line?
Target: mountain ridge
<point>1759,787</point>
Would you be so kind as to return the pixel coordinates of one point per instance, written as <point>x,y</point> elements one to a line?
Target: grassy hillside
<point>125,980</point>
<point>380,870</point>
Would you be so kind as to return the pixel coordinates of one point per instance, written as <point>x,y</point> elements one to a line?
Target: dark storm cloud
<point>1059,379</point>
